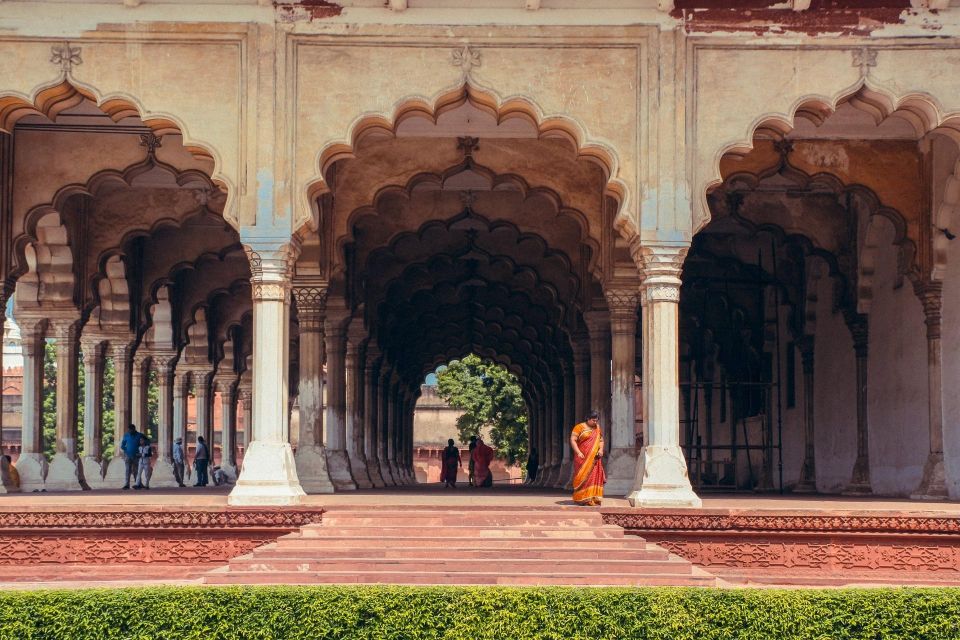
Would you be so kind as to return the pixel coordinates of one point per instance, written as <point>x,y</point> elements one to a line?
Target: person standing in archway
<point>586,442</point>
<point>449,465</point>
<point>482,457</point>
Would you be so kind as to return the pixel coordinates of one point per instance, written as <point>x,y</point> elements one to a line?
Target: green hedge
<point>402,613</point>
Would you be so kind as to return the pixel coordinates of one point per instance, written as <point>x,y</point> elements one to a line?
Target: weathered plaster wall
<point>835,401</point>
<point>899,436</point>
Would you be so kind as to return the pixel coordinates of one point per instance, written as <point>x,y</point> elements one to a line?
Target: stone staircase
<point>424,545</point>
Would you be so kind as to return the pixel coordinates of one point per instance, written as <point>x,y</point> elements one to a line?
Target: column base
<point>860,479</point>
<point>161,475</point>
<point>662,480</point>
<point>116,469</point>
<point>358,469</point>
<point>65,474</point>
<point>621,467</point>
<point>268,477</point>
<point>32,468</point>
<point>386,474</point>
<point>93,472</point>
<point>395,472</point>
<point>338,464</point>
<point>6,482</point>
<point>934,483</point>
<point>373,470</point>
<point>565,477</point>
<point>553,479</point>
<point>543,476</point>
<point>311,463</point>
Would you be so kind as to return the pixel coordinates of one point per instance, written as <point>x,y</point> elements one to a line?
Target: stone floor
<point>434,494</point>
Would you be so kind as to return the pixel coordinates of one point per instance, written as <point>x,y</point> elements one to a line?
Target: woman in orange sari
<point>586,442</point>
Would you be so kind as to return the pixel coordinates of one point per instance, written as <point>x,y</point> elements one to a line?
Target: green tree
<point>489,396</point>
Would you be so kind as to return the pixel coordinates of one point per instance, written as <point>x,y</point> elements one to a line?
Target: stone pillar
<point>227,388</point>
<point>123,383</point>
<point>310,457</point>
<point>139,388</point>
<point>808,471</point>
<point>353,377</point>
<point>860,479</point>
<point>393,428</point>
<point>269,474</point>
<point>32,463</point>
<point>168,382</point>
<point>621,462</point>
<point>371,406</point>
<point>336,436</point>
<point>662,478</point>
<point>204,394</point>
<point>92,461</point>
<point>565,476</point>
<point>598,325</point>
<point>181,393</point>
<point>554,429</point>
<point>933,486</point>
<point>383,411</point>
<point>65,472</point>
<point>245,399</point>
<point>6,482</point>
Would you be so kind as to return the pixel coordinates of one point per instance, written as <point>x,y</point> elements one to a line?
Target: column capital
<point>859,326</point>
<point>271,268</point>
<point>122,350</point>
<point>311,303</point>
<point>598,323</point>
<point>930,293</point>
<point>65,329</point>
<point>92,348</point>
<point>660,267</point>
<point>225,383</point>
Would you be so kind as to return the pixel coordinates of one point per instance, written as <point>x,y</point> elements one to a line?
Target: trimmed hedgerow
<point>477,613</point>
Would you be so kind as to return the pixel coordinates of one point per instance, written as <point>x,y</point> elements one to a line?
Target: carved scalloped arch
<point>922,110</point>
<point>51,99</point>
<point>501,108</point>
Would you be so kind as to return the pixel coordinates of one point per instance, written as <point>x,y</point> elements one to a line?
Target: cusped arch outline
<point>52,98</point>
<point>922,110</point>
<point>501,108</point>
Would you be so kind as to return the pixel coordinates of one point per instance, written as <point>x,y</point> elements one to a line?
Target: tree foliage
<point>489,396</point>
<point>49,414</point>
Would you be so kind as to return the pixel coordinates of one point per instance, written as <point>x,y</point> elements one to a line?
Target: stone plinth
<point>268,477</point>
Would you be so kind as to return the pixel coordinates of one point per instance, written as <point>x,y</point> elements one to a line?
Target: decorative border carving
<point>222,519</point>
<point>94,549</point>
<point>782,523</point>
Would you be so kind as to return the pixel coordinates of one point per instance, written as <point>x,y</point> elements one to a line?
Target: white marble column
<point>181,394</point>
<point>170,384</point>
<point>245,400</point>
<point>204,395</point>
<point>371,407</point>
<point>353,372</point>
<point>621,462</point>
<point>933,486</point>
<point>311,300</point>
<point>383,411</point>
<point>92,460</point>
<point>65,472</point>
<point>6,482</point>
<point>269,473</point>
<point>338,463</point>
<point>661,478</point>
<point>123,405</point>
<point>139,392</point>
<point>227,388</point>
<point>32,463</point>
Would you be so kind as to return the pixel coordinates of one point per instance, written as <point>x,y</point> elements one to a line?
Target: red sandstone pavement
<point>434,494</point>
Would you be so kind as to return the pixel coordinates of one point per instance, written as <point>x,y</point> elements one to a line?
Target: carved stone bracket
<point>660,267</point>
<point>931,297</point>
<point>311,306</point>
<point>271,269</point>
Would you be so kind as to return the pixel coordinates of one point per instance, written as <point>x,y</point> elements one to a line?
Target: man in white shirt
<point>178,461</point>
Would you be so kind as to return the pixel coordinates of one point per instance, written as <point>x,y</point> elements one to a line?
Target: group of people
<point>586,443</point>
<point>138,451</point>
<point>479,474</point>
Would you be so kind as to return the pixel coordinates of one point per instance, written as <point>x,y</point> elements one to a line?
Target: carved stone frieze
<point>207,519</point>
<point>827,523</point>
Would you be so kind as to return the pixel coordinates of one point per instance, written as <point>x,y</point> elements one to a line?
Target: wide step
<point>459,546</point>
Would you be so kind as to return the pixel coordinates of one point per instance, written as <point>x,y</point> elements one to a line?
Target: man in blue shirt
<point>129,446</point>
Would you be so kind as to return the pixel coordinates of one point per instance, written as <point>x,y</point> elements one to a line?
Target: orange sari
<point>588,474</point>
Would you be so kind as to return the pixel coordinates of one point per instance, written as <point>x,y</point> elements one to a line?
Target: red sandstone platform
<point>186,536</point>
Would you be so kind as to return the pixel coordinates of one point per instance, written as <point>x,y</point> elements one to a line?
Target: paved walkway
<point>434,494</point>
